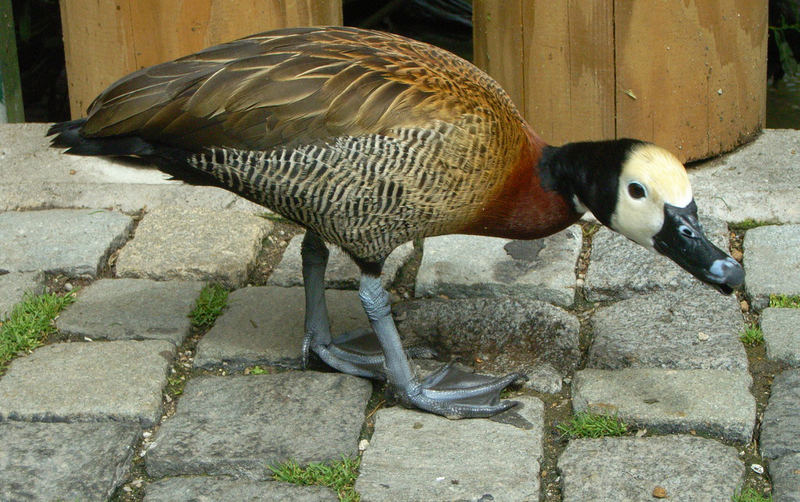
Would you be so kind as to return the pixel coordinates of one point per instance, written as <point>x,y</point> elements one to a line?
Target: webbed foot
<point>454,393</point>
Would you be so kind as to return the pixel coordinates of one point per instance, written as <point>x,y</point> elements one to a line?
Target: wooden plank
<point>498,45</point>
<point>104,41</point>
<point>569,69</point>
<point>10,86</point>
<point>698,74</point>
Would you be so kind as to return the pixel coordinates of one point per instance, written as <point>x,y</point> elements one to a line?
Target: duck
<point>369,140</point>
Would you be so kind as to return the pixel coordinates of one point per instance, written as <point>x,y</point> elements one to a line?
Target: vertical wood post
<point>106,40</point>
<point>11,108</point>
<point>689,75</point>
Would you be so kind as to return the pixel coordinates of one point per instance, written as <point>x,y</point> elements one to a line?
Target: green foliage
<point>212,301</point>
<point>750,495</point>
<point>258,370</point>
<point>30,323</point>
<point>752,336</point>
<point>339,475</point>
<point>748,224</point>
<point>787,57</point>
<point>785,301</point>
<point>590,425</point>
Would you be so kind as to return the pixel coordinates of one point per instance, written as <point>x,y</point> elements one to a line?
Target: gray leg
<point>350,353</point>
<point>448,392</point>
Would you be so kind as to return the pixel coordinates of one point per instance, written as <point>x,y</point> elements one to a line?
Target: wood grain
<point>688,75</point>
<point>698,74</point>
<point>106,40</point>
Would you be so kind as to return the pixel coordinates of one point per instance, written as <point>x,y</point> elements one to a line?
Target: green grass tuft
<point>258,370</point>
<point>785,301</point>
<point>339,475</point>
<point>752,336</point>
<point>747,224</point>
<point>212,301</point>
<point>589,425</point>
<point>30,323</point>
<point>750,495</point>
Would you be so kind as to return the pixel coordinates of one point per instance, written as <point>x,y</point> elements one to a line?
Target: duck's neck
<point>586,173</point>
<point>523,208</point>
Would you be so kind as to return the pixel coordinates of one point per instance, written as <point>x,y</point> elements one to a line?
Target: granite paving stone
<point>208,488</point>
<point>14,286</point>
<point>81,461</point>
<point>781,423</point>
<point>714,402</point>
<point>695,328</point>
<point>239,425</point>
<point>131,309</point>
<point>620,269</point>
<point>505,334</point>
<point>86,382</point>
<point>785,474</point>
<point>781,328</point>
<point>420,456</point>
<point>265,326</point>
<point>630,469</point>
<point>341,273</point>
<point>73,242</point>
<point>462,266</point>
<point>194,244</point>
<point>772,262</point>
<point>757,181</point>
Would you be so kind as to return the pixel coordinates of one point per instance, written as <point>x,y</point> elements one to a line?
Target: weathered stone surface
<point>64,461</point>
<point>73,242</point>
<point>189,489</point>
<point>781,328</point>
<point>697,328</point>
<point>779,429</point>
<point>772,262</point>
<point>341,273</point>
<point>714,402</point>
<point>194,244</point>
<point>462,266</point>
<point>264,325</point>
<point>420,456</point>
<point>13,287</point>
<point>506,334</point>
<point>785,474</point>
<point>757,181</point>
<point>629,469</point>
<point>239,425</point>
<point>620,268</point>
<point>86,382</point>
<point>132,309</point>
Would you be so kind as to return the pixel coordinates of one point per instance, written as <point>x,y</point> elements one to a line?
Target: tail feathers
<point>68,135</point>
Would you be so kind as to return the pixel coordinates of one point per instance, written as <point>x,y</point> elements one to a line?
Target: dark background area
<point>446,23</point>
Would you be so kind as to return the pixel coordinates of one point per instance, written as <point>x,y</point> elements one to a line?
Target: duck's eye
<point>636,190</point>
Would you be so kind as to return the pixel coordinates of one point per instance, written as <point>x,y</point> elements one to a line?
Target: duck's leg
<point>356,353</point>
<point>448,392</point>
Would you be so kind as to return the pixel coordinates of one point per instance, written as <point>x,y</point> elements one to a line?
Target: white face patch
<point>650,178</point>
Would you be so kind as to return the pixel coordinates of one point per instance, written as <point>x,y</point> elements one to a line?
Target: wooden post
<point>11,108</point>
<point>690,75</point>
<point>104,41</point>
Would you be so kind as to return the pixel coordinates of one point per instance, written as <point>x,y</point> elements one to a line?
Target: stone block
<point>781,421</point>
<point>772,262</point>
<point>14,286</point>
<point>781,328</point>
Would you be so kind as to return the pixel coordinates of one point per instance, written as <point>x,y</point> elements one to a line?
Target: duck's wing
<point>286,87</point>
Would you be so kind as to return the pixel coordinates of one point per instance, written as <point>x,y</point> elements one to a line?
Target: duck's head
<point>641,191</point>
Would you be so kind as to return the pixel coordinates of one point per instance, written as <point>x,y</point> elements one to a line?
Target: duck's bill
<point>681,239</point>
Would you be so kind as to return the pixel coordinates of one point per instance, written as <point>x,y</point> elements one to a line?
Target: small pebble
<point>757,468</point>
<point>579,283</point>
<point>67,286</point>
<point>737,255</point>
<point>659,492</point>
<point>363,445</point>
<point>744,306</point>
<point>702,336</point>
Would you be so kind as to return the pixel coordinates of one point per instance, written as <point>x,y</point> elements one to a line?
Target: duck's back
<point>368,138</point>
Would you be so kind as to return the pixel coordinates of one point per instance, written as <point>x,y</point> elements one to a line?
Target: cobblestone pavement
<point>130,402</point>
